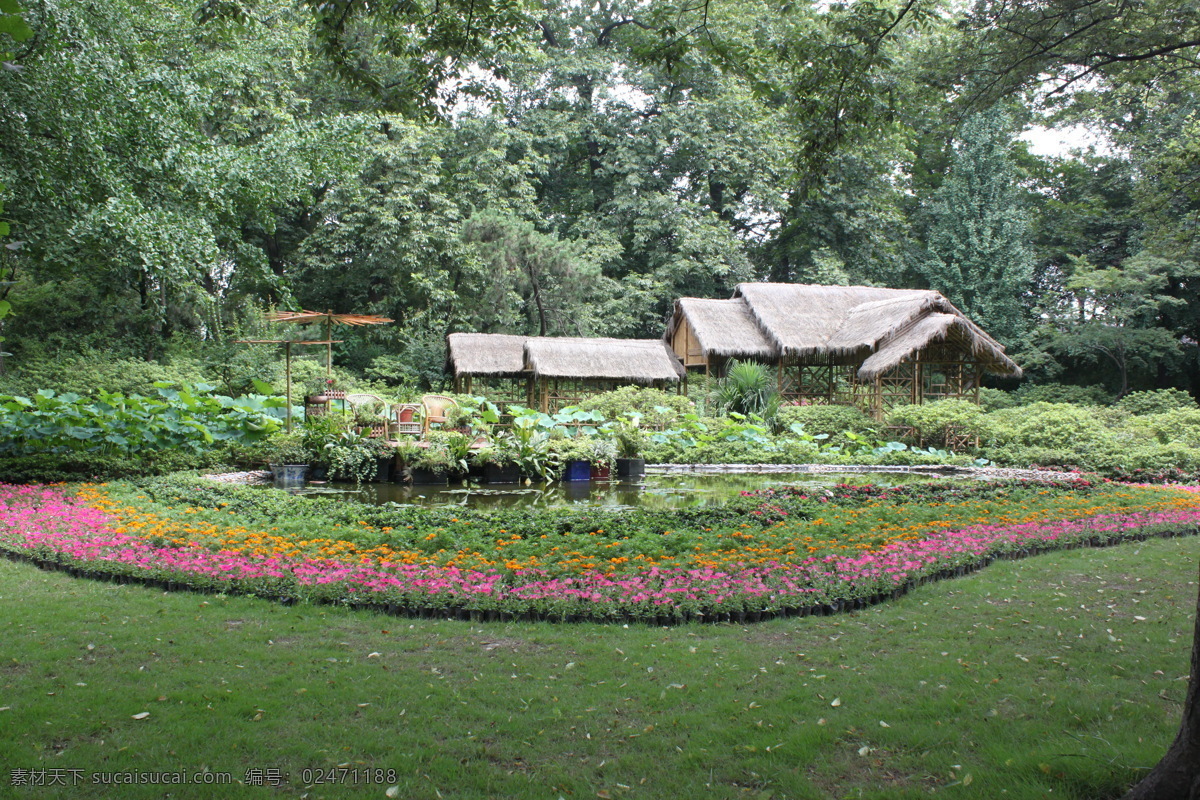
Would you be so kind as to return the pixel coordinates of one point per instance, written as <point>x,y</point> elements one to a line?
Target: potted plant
<point>532,445</point>
<point>317,388</point>
<point>433,465</point>
<point>499,464</point>
<point>318,431</point>
<point>460,418</point>
<point>575,455</point>
<point>631,440</point>
<point>370,422</point>
<point>352,456</point>
<point>602,454</point>
<point>287,458</point>
<point>499,461</point>
<point>404,456</point>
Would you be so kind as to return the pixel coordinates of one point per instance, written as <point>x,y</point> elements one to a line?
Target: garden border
<point>663,620</point>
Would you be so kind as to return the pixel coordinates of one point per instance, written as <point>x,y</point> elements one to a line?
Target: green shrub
<point>829,420</point>
<point>283,448</point>
<point>1058,434</point>
<point>1159,401</point>
<point>92,374</point>
<point>1177,426</point>
<point>1064,393</point>
<point>996,399</point>
<point>747,388</point>
<point>936,422</point>
<point>59,467</point>
<point>1049,425</point>
<point>640,400</point>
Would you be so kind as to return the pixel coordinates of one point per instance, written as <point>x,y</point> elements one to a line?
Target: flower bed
<point>794,554</point>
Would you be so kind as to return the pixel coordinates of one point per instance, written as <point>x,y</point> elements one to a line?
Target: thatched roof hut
<point>556,371</point>
<point>820,337</point>
<point>773,321</point>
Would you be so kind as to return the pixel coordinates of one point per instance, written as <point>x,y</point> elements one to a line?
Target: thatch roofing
<point>723,327</point>
<point>932,328</point>
<point>879,327</point>
<point>631,360</point>
<point>494,354</point>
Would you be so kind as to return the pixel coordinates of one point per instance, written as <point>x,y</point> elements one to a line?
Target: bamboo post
<point>287,370</point>
<point>329,343</point>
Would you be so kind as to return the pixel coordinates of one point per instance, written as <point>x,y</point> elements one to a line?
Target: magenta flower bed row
<point>53,529</point>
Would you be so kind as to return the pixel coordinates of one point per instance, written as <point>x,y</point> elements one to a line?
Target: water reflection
<point>654,491</point>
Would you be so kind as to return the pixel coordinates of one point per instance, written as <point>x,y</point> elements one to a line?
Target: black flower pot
<point>631,467</point>
<point>497,473</point>
<point>383,469</point>
<point>424,477</point>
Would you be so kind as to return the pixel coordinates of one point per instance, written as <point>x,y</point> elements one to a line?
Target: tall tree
<point>1117,316</point>
<point>979,255</point>
<point>138,170</point>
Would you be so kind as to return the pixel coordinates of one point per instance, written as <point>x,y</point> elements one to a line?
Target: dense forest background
<point>171,168</point>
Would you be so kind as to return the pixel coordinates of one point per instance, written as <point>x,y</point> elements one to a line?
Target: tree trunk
<point>1177,776</point>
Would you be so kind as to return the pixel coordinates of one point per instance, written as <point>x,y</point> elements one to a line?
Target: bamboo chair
<point>434,407</point>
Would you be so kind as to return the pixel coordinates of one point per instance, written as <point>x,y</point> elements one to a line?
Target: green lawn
<point>1055,676</point>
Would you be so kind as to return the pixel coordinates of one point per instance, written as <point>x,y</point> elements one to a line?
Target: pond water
<point>654,491</point>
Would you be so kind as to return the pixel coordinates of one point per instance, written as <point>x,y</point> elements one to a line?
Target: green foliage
<point>1178,426</point>
<point>654,407</point>
<point>830,420</point>
<point>88,374</point>
<point>531,449</point>
<point>747,388</point>
<point>351,456</point>
<point>995,399</point>
<point>979,255</point>
<point>436,458</point>
<point>1048,425</point>
<point>938,421</point>
<point>284,448</point>
<point>1064,393</point>
<point>165,180</point>
<point>147,154</point>
<point>46,467</point>
<point>629,435</point>
<point>1158,401</point>
<point>177,419</point>
<point>1125,307</point>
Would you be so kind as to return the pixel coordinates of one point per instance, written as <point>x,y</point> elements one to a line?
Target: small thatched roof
<point>879,327</point>
<point>495,354</point>
<point>723,327</point>
<point>932,328</point>
<point>630,360</point>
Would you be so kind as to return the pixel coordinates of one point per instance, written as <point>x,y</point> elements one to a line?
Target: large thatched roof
<point>631,360</point>
<point>878,327</point>
<point>486,353</point>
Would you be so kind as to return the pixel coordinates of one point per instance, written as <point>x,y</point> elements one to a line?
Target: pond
<point>656,491</point>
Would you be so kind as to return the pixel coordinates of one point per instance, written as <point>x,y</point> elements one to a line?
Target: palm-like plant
<point>747,388</point>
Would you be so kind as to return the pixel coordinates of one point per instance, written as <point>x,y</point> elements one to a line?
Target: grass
<point>1059,676</point>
